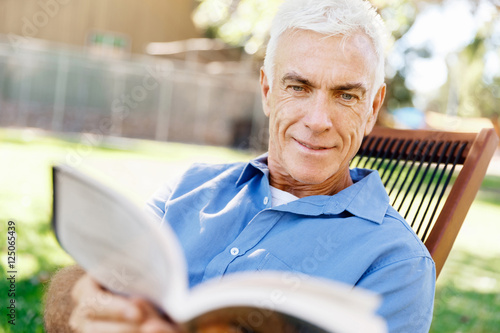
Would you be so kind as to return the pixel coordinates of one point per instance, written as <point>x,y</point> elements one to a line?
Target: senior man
<point>299,207</point>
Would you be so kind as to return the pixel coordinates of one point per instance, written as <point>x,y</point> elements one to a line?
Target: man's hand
<point>97,310</point>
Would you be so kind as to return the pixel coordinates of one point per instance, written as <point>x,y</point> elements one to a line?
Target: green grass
<point>467,298</point>
<point>468,290</point>
<point>25,198</point>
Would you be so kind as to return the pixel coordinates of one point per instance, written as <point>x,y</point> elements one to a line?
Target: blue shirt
<point>225,221</point>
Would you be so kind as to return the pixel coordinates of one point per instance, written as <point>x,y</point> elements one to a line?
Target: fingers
<point>97,310</point>
<point>95,306</point>
<point>103,305</point>
<point>106,327</point>
<point>150,326</point>
<point>154,322</point>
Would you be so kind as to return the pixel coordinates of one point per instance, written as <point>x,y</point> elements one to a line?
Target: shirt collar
<point>256,165</point>
<point>366,198</point>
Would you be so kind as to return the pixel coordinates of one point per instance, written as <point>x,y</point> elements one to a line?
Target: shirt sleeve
<point>407,288</point>
<point>155,206</point>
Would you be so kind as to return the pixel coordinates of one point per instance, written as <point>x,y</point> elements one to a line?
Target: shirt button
<point>266,200</point>
<point>234,251</point>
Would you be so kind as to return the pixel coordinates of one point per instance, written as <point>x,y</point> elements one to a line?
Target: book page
<point>320,303</point>
<point>116,242</point>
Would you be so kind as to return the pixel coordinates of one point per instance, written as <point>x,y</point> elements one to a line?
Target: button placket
<point>249,237</point>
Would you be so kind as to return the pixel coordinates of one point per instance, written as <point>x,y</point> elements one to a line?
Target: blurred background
<point>134,91</point>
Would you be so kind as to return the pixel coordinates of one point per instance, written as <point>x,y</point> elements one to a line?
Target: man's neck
<point>331,186</point>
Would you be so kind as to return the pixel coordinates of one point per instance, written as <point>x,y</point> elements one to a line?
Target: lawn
<point>468,295</point>
<point>25,198</point>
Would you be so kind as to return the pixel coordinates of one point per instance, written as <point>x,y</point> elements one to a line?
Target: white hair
<point>330,18</point>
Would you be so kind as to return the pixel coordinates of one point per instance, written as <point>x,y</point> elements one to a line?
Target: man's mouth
<point>311,146</point>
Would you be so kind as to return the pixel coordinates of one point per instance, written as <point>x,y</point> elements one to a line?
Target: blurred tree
<point>243,23</point>
<point>399,16</point>
<point>474,74</point>
<point>480,83</point>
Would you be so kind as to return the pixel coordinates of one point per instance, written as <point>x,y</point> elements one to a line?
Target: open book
<point>125,251</point>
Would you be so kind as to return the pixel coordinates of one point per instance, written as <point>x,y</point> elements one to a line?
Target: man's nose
<point>318,117</point>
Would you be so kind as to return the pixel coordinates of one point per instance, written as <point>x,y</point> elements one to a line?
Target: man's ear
<point>264,88</point>
<point>378,100</point>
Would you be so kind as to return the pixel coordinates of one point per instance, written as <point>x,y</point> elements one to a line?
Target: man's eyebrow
<point>292,76</point>
<point>350,87</point>
<point>295,77</point>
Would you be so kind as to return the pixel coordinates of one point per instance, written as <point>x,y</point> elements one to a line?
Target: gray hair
<point>330,18</point>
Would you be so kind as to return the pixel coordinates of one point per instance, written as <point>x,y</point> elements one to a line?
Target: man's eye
<point>297,88</point>
<point>347,97</point>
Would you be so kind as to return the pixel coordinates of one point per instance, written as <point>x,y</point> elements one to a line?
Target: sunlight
<point>441,29</point>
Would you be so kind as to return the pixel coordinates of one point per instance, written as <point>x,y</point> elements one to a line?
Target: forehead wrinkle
<point>339,80</point>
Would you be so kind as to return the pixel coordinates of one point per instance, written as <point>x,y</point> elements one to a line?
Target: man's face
<point>321,104</point>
